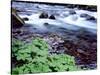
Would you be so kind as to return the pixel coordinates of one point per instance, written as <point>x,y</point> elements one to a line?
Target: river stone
<point>43,15</point>
<point>46,24</point>
<point>88,17</point>
<point>72,12</point>
<point>25,19</point>
<point>52,17</point>
<point>84,15</point>
<point>91,18</point>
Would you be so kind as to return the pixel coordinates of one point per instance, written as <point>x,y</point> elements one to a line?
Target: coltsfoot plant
<point>36,58</point>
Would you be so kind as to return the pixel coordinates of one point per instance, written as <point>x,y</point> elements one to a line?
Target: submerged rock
<point>88,17</point>
<point>46,24</point>
<point>43,15</point>
<point>84,15</point>
<point>72,12</point>
<point>91,18</point>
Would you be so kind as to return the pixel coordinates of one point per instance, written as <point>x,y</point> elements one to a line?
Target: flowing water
<point>63,18</point>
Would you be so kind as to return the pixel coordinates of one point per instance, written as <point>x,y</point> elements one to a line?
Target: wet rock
<point>65,15</point>
<point>46,24</point>
<point>25,19</point>
<point>72,12</point>
<point>43,15</point>
<point>52,17</point>
<point>18,10</point>
<point>88,17</point>
<point>91,18</point>
<point>84,15</point>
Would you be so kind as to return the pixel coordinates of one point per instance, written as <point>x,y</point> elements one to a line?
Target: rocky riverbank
<point>80,46</point>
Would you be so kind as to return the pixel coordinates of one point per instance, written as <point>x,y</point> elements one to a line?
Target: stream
<point>75,30</point>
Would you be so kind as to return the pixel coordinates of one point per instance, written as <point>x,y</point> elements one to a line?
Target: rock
<point>18,10</point>
<point>43,15</point>
<point>46,24</point>
<point>88,17</point>
<point>84,15</point>
<point>16,20</point>
<point>52,17</point>
<point>72,12</point>
<point>91,18</point>
<point>25,19</point>
<point>65,15</point>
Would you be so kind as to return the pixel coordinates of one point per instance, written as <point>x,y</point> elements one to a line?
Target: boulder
<point>72,12</point>
<point>25,19</point>
<point>84,15</point>
<point>91,18</point>
<point>52,17</point>
<point>88,17</point>
<point>43,15</point>
<point>16,21</point>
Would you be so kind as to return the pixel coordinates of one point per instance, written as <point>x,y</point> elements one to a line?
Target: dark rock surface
<point>52,17</point>
<point>25,19</point>
<point>72,12</point>
<point>84,15</point>
<point>43,15</point>
<point>89,17</point>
